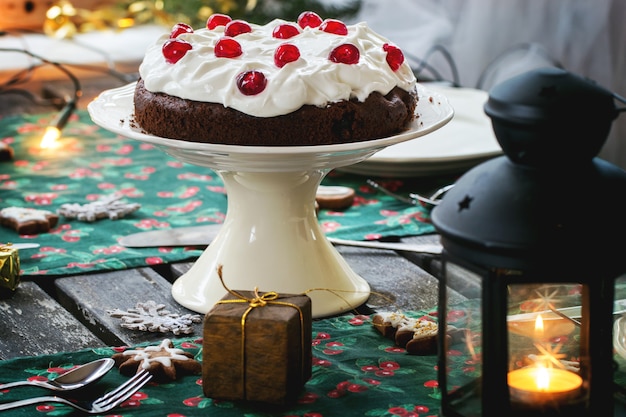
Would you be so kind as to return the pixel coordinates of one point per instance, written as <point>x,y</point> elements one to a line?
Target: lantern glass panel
<point>547,352</point>
<point>619,337</point>
<point>463,349</point>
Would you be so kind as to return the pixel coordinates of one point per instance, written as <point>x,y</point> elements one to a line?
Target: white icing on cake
<point>313,79</point>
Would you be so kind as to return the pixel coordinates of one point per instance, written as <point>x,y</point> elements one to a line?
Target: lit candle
<point>540,385</point>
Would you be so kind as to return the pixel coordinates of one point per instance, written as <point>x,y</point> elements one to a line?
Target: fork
<point>100,405</point>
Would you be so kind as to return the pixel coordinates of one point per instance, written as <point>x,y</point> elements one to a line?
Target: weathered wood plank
<point>89,297</point>
<point>396,282</point>
<point>33,323</point>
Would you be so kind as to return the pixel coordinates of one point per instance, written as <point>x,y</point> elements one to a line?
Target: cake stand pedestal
<point>271,238</point>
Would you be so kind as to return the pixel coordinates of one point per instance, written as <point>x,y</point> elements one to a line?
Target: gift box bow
<point>260,300</point>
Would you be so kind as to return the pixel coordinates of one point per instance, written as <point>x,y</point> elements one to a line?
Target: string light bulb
<point>52,134</point>
<point>53,131</point>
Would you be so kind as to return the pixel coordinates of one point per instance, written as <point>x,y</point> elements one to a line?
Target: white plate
<point>464,142</point>
<point>113,110</point>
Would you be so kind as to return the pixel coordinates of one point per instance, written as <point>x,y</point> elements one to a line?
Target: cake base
<point>342,122</point>
<point>271,240</point>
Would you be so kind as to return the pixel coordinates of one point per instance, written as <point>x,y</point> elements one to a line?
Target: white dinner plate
<point>467,140</point>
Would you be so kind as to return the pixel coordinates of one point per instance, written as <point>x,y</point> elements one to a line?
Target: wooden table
<point>50,315</point>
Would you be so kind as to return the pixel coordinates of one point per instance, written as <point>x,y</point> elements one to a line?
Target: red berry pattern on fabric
<point>395,57</point>
<point>334,26</point>
<point>345,54</point>
<point>285,54</point>
<point>216,20</point>
<point>174,49</point>
<point>251,83</point>
<point>237,27</point>
<point>180,28</point>
<point>309,19</point>
<point>227,48</point>
<point>285,31</point>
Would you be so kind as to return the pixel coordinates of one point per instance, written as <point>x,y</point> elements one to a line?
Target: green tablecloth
<point>94,162</point>
<point>356,372</point>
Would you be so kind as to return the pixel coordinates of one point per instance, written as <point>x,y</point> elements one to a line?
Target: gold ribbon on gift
<point>258,301</point>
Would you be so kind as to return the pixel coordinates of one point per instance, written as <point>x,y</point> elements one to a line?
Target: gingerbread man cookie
<point>165,361</point>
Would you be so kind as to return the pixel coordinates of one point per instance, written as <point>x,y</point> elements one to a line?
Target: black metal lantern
<point>534,242</point>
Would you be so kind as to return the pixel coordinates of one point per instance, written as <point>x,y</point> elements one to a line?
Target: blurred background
<point>467,43</point>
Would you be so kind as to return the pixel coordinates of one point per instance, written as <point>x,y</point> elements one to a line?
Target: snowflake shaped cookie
<point>153,317</point>
<point>164,361</point>
<point>107,207</point>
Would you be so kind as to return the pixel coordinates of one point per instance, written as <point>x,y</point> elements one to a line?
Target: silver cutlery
<point>100,405</point>
<point>204,235</point>
<point>73,379</point>
<point>414,198</point>
<point>19,246</point>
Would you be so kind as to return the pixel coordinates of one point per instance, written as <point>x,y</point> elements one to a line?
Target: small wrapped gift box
<point>257,347</point>
<point>9,267</point>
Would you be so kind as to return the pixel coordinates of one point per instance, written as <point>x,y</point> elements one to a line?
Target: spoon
<point>73,379</point>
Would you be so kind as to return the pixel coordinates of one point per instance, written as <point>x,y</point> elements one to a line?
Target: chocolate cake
<point>309,82</point>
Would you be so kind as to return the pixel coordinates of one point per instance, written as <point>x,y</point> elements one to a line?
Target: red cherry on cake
<point>174,49</point>
<point>216,20</point>
<point>237,27</point>
<point>251,83</point>
<point>227,48</point>
<point>345,54</point>
<point>395,57</point>
<point>285,54</point>
<point>309,19</point>
<point>285,31</point>
<point>179,29</point>
<point>334,26</point>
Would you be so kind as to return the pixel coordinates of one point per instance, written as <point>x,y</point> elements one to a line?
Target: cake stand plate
<point>271,238</point>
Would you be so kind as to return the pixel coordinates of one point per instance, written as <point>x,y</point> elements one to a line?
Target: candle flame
<point>542,378</point>
<point>539,329</point>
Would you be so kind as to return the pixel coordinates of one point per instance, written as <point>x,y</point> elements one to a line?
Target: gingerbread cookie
<point>165,361</point>
<point>107,207</point>
<point>417,336</point>
<point>387,323</point>
<point>334,197</point>
<point>28,221</point>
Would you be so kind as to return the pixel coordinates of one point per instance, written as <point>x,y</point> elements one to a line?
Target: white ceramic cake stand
<point>270,239</point>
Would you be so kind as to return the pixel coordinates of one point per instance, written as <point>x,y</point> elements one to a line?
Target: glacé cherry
<point>285,31</point>
<point>227,47</point>
<point>174,49</point>
<point>180,28</point>
<point>251,83</point>
<point>334,26</point>
<point>237,27</point>
<point>395,57</point>
<point>310,19</point>
<point>346,53</point>
<point>216,20</point>
<point>285,54</point>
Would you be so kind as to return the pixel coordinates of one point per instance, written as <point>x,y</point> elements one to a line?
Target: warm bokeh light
<point>539,327</point>
<point>50,138</point>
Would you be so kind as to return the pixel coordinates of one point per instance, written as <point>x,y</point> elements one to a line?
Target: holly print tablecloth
<point>93,162</point>
<point>356,372</point>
